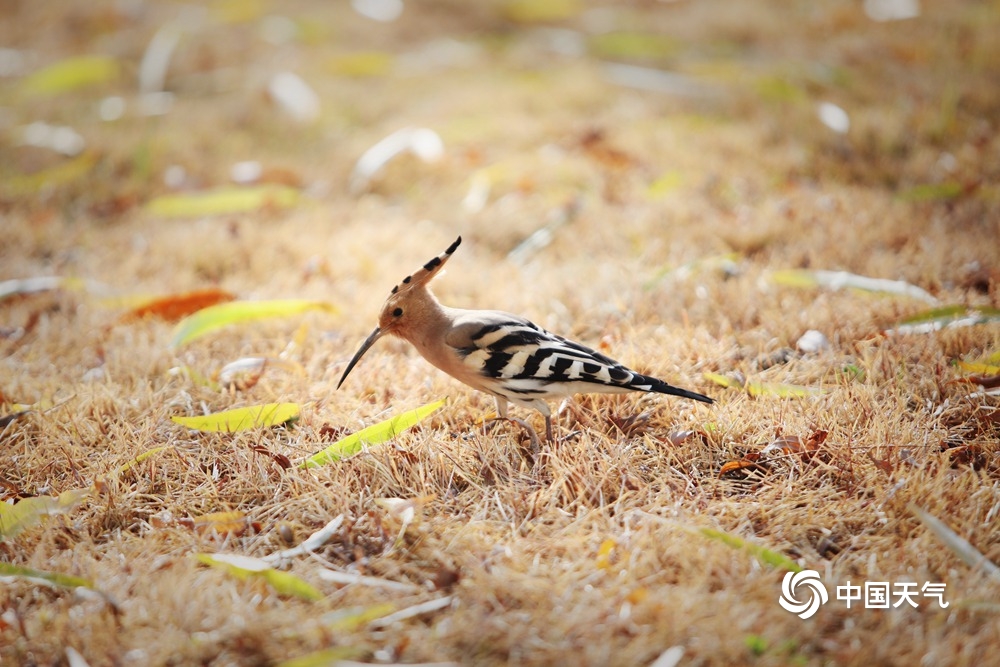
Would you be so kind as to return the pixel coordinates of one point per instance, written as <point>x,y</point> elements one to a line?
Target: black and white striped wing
<point>522,356</point>
<point>514,357</point>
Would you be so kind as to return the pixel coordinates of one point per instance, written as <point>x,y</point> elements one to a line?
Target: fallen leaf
<point>245,567</point>
<point>223,200</point>
<point>933,191</point>
<point>945,317</point>
<point>885,465</point>
<point>71,74</point>
<point>373,435</point>
<point>604,554</point>
<point>282,460</point>
<point>56,176</point>
<point>723,380</point>
<point>531,11</point>
<point>634,45</point>
<point>978,367</point>
<point>836,280</point>
<point>733,466</point>
<point>323,658</point>
<point>233,523</point>
<point>221,315</point>
<point>177,306</point>
<point>242,419</point>
<point>763,554</point>
<point>140,458</point>
<point>49,578</point>
<point>29,512</point>
<point>361,64</point>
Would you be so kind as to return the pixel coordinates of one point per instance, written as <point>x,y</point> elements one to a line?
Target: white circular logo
<point>808,579</point>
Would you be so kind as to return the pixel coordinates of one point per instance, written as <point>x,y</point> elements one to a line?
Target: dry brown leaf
<point>280,459</point>
<point>178,306</point>
<point>233,523</point>
<point>749,461</point>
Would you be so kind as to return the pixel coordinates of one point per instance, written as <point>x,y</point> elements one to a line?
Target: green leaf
<point>764,555</point>
<point>29,512</point>
<point>757,644</point>
<point>224,200</point>
<point>634,45</point>
<point>215,317</point>
<point>54,177</point>
<point>933,192</point>
<point>52,578</point>
<point>372,435</point>
<point>71,74</point>
<point>246,567</point>
<point>242,419</point>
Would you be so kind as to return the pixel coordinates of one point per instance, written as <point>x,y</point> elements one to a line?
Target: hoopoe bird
<point>499,353</point>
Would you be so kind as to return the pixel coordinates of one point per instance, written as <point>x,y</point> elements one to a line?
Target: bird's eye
<point>397,312</point>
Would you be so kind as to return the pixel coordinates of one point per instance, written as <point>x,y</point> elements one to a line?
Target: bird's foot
<point>491,424</point>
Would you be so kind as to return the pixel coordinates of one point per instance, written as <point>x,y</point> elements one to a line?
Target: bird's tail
<point>661,387</point>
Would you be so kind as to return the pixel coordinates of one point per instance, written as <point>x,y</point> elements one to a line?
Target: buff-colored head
<point>406,304</point>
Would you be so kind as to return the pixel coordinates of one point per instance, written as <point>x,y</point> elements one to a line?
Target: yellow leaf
<point>978,367</point>
<point>372,435</point>
<point>665,184</point>
<point>323,658</point>
<point>71,74</point>
<point>224,200</point>
<point>246,567</point>
<point>722,380</point>
<point>604,553</point>
<point>221,523</point>
<point>215,317</point>
<point>355,617</point>
<point>362,64</point>
<point>29,511</point>
<point>533,11</point>
<point>242,419</point>
<point>141,457</point>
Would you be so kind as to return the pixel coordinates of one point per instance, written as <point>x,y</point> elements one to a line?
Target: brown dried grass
<point>516,540</point>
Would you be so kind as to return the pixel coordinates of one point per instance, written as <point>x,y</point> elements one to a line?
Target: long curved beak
<point>375,335</point>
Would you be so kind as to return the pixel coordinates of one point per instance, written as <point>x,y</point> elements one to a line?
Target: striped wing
<point>524,358</point>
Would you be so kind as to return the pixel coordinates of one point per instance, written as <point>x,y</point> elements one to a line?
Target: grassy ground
<point>600,550</point>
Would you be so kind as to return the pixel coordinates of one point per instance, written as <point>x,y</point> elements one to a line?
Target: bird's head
<point>407,304</point>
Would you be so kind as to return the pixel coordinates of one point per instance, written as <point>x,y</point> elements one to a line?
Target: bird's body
<point>500,353</point>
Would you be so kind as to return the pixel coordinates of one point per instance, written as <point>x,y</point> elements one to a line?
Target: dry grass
<point>516,542</point>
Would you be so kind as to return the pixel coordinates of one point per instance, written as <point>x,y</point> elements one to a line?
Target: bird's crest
<point>426,273</point>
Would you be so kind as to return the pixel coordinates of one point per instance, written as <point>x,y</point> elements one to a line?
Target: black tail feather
<point>661,387</point>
